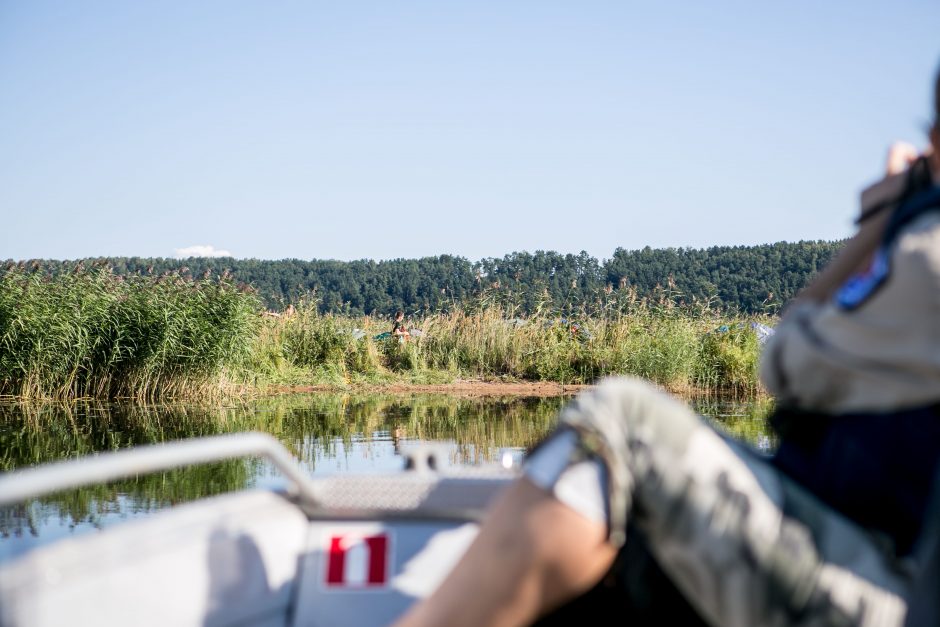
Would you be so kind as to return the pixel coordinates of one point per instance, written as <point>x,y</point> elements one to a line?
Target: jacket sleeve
<point>882,355</point>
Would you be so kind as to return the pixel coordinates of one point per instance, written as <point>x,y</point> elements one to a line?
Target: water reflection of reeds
<point>316,428</point>
<point>743,420</point>
<point>313,427</point>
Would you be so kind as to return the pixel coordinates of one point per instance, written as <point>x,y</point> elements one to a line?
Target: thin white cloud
<point>200,251</point>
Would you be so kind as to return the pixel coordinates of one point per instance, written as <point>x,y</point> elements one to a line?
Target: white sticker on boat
<point>357,560</point>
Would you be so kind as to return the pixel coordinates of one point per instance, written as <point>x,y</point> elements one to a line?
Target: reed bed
<point>94,334</point>
<point>680,348</point>
<point>91,334</point>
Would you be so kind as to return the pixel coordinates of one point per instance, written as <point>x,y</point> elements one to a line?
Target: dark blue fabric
<point>877,469</point>
<point>920,203</point>
<point>861,286</point>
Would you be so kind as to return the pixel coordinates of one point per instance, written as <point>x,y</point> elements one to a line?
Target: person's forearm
<point>496,582</point>
<point>851,259</point>
<point>532,554</point>
<point>878,202</point>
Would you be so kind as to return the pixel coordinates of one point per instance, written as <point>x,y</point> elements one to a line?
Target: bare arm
<point>859,249</point>
<point>533,553</point>
<point>851,259</point>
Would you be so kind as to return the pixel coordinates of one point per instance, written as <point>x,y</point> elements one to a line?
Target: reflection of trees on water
<point>19,521</point>
<point>126,498</point>
<point>38,433</point>
<point>744,420</point>
<point>315,428</point>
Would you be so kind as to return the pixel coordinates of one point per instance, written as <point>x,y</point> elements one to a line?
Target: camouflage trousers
<point>744,544</point>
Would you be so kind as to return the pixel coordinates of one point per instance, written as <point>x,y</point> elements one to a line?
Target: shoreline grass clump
<point>93,334</point>
<point>683,349</point>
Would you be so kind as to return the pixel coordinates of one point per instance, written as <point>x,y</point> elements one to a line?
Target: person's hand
<point>900,157</point>
<point>856,254</point>
<point>883,193</point>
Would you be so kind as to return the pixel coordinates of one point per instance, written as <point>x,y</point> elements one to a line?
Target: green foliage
<point>752,279</point>
<point>95,334</point>
<point>729,359</point>
<point>679,348</point>
<point>312,340</point>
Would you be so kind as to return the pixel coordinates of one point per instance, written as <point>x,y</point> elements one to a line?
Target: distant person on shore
<point>398,327</point>
<point>833,530</point>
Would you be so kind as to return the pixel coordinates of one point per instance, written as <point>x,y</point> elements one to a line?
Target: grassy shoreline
<point>91,334</point>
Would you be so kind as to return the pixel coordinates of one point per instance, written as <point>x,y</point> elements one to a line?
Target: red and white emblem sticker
<point>355,560</point>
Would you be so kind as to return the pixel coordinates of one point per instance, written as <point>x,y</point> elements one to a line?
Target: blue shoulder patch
<point>861,286</point>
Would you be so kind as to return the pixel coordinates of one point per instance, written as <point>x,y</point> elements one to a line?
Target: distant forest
<point>749,279</point>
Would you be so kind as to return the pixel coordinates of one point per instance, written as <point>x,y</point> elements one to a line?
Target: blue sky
<point>353,130</point>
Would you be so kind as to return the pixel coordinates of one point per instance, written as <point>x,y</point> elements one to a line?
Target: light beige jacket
<point>884,355</point>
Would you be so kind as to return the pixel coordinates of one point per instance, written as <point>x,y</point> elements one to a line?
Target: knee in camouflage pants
<point>744,544</point>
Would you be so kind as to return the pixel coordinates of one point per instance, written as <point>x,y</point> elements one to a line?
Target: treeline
<point>749,279</point>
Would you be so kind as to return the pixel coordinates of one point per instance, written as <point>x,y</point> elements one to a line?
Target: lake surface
<point>328,433</point>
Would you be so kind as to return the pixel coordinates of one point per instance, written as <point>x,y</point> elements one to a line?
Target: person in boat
<point>399,329</point>
<point>820,533</point>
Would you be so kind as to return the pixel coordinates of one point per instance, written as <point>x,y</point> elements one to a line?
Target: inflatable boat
<point>321,552</point>
<point>328,552</point>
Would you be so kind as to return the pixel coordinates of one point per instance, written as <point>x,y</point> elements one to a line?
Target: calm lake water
<point>328,433</point>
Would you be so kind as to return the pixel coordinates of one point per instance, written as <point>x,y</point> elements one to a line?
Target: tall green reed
<point>93,334</point>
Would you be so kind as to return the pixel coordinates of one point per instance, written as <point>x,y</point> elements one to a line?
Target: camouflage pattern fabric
<point>745,545</point>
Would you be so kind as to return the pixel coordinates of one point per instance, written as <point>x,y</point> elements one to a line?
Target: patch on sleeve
<point>861,286</point>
